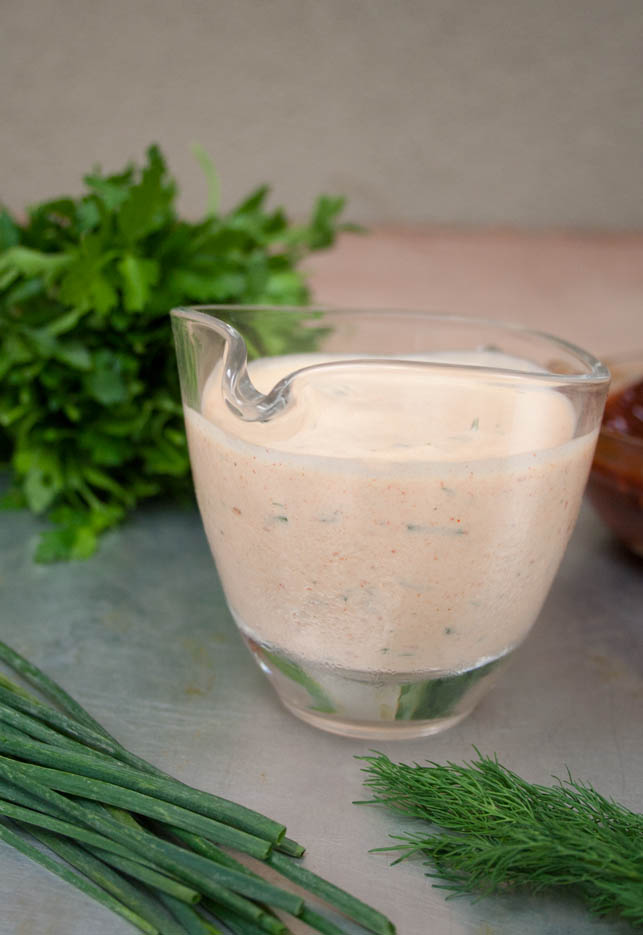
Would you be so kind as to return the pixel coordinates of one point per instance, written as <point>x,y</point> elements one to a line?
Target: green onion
<point>40,820</point>
<point>81,883</point>
<point>61,722</point>
<point>153,808</point>
<point>81,782</point>
<point>236,924</point>
<point>188,866</point>
<point>220,808</point>
<point>354,908</point>
<point>91,825</point>
<point>137,900</point>
<point>21,796</point>
<point>288,846</point>
<point>16,689</point>
<point>50,689</point>
<point>320,923</point>
<point>159,881</point>
<point>123,817</point>
<point>107,850</point>
<point>193,923</point>
<point>264,923</point>
<point>31,728</point>
<point>209,850</point>
<point>312,918</point>
<point>170,790</point>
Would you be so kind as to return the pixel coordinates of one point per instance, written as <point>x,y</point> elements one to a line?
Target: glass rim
<point>597,375</point>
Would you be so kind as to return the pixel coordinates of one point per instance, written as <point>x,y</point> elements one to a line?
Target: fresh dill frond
<point>487,830</point>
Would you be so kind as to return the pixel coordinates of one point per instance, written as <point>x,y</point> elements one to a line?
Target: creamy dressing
<point>394,518</point>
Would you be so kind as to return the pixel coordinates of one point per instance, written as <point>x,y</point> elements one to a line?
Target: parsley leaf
<point>90,416</point>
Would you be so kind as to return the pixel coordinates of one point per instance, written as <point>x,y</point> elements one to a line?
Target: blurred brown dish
<point>616,480</point>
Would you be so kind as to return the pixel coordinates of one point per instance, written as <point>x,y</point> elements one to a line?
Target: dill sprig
<point>491,831</point>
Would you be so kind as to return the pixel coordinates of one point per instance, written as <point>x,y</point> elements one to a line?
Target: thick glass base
<point>375,705</point>
<point>373,730</point>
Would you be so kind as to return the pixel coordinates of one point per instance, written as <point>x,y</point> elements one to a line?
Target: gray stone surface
<point>141,636</point>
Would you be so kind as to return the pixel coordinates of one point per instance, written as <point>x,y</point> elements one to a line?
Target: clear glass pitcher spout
<point>218,348</point>
<point>206,345</point>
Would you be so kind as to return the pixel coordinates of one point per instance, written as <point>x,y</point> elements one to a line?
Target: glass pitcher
<point>387,500</point>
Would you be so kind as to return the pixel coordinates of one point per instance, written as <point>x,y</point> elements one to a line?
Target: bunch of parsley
<point>90,414</point>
